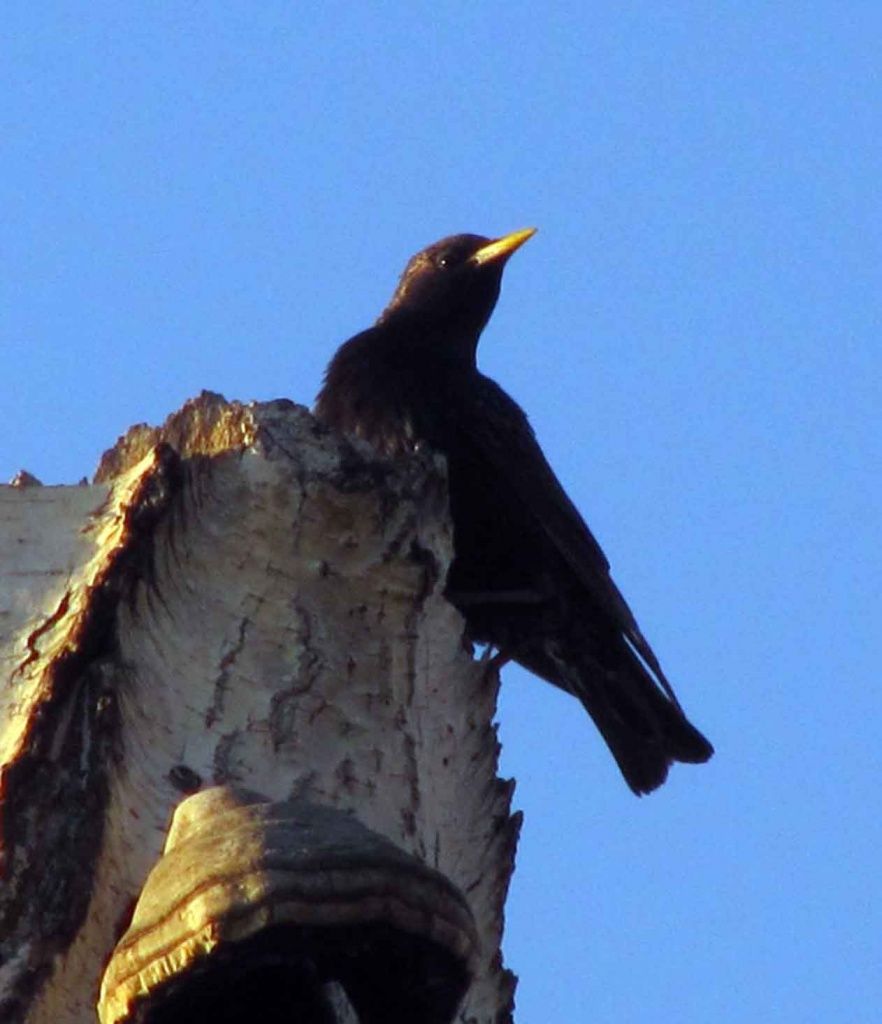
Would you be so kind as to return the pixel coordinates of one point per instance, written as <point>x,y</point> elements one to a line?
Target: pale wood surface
<point>265,610</point>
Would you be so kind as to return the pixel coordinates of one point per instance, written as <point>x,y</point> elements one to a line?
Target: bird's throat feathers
<point>443,312</point>
<point>377,385</point>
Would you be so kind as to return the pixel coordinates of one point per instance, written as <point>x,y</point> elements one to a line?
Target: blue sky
<point>215,195</point>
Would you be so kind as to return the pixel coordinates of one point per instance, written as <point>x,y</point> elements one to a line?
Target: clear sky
<point>215,195</point>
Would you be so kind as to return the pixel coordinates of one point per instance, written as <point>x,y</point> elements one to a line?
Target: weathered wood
<point>242,600</point>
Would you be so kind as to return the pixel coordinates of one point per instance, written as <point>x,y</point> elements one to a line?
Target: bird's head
<point>453,285</point>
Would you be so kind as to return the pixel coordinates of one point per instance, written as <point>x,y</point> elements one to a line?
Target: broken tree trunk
<point>242,621</point>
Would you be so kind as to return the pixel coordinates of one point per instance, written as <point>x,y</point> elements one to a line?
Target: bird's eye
<point>445,261</point>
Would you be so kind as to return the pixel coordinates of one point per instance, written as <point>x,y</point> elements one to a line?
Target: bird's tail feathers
<point>644,729</point>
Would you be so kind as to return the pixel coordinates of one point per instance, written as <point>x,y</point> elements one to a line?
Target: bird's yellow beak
<point>500,249</point>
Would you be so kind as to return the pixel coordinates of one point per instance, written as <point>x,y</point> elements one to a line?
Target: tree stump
<point>245,601</point>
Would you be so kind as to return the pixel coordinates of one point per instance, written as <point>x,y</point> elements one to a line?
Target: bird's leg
<point>497,660</point>
<point>475,598</point>
<point>498,654</point>
<point>492,660</point>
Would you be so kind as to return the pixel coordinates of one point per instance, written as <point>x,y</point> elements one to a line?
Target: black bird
<point>527,575</point>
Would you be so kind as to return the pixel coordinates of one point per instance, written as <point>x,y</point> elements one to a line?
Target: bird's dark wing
<point>500,435</point>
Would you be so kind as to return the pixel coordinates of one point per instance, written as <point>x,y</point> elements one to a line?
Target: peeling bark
<point>239,599</point>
